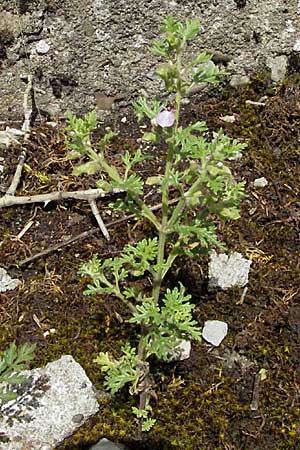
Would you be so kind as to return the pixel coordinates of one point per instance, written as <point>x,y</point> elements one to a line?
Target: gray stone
<point>278,66</point>
<point>53,403</point>
<point>98,53</point>
<point>227,271</point>
<point>181,352</point>
<point>6,282</point>
<point>42,47</point>
<point>105,444</point>
<point>239,80</point>
<point>214,331</point>
<point>260,182</point>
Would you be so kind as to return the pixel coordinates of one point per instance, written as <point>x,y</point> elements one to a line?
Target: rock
<point>6,282</point>
<point>42,47</point>
<point>105,444</point>
<point>260,182</point>
<point>181,352</point>
<point>214,331</point>
<point>278,66</point>
<point>10,136</point>
<point>239,80</point>
<point>52,403</point>
<point>227,271</point>
<point>229,119</point>
<point>103,56</point>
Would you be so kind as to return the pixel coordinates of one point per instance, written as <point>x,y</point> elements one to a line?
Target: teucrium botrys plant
<point>196,171</point>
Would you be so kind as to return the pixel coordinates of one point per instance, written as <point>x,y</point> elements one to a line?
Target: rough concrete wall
<point>98,48</point>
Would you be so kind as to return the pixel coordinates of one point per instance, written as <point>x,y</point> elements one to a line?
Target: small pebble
<point>77,418</point>
<point>260,182</point>
<point>42,47</point>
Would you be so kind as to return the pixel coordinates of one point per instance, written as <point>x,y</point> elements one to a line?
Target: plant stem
<point>163,230</point>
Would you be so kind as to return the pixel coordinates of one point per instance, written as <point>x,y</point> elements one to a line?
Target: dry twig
<point>88,194</point>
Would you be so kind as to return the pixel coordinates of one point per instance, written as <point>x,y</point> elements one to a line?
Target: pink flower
<point>165,118</point>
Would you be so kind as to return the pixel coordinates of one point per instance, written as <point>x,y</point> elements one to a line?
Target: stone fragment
<point>278,66</point>
<point>227,271</point>
<point>105,444</point>
<point>6,282</point>
<point>214,331</point>
<point>229,119</point>
<point>42,47</point>
<point>10,136</point>
<point>239,80</point>
<point>260,182</point>
<point>181,352</point>
<point>51,405</point>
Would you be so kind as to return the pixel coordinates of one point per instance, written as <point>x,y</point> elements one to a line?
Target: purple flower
<point>165,118</point>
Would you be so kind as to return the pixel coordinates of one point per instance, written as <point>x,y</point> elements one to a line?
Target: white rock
<point>229,119</point>
<point>66,401</point>
<point>105,444</point>
<point>214,331</point>
<point>124,119</point>
<point>181,352</point>
<point>42,47</point>
<point>6,282</point>
<point>296,47</point>
<point>10,136</point>
<point>278,66</point>
<point>239,80</point>
<point>260,182</point>
<point>227,271</point>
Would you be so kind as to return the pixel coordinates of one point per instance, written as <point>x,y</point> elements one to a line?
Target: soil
<point>203,402</point>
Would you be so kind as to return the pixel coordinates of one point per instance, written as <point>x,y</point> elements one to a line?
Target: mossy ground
<point>204,402</point>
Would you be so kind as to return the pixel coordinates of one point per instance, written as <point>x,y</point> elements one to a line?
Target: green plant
<point>12,362</point>
<point>195,173</point>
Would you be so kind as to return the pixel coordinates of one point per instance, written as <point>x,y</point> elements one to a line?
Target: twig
<point>255,394</point>
<point>28,111</point>
<point>84,235</point>
<point>28,117</point>
<point>241,300</point>
<point>88,194</point>
<point>26,228</point>
<point>100,222</point>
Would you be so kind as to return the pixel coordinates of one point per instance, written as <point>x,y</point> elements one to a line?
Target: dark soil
<point>204,402</point>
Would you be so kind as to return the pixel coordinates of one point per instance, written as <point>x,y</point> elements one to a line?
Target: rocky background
<point>94,53</point>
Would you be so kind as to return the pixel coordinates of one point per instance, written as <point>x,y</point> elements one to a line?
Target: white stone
<point>260,182</point>
<point>6,282</point>
<point>42,47</point>
<point>214,331</point>
<point>124,119</point>
<point>278,66</point>
<point>227,271</point>
<point>10,136</point>
<point>239,80</point>
<point>229,119</point>
<point>65,405</point>
<point>105,444</point>
<point>181,352</point>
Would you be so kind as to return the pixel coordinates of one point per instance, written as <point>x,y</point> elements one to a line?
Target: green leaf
<point>13,361</point>
<point>139,257</point>
<point>192,28</point>
<point>151,181</point>
<point>151,137</point>
<point>122,371</point>
<point>149,108</point>
<point>89,168</point>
